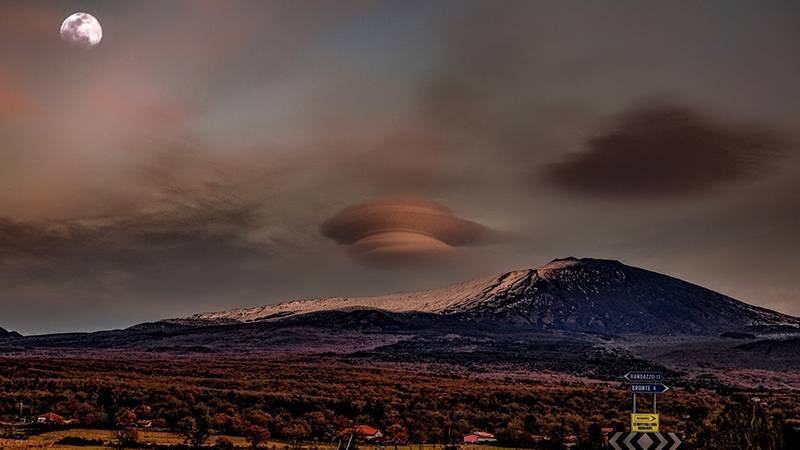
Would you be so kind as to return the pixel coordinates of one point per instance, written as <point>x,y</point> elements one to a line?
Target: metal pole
<point>634,402</point>
<point>654,403</point>
<point>349,441</point>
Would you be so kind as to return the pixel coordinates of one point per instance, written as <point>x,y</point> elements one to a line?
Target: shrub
<point>223,443</point>
<point>77,441</point>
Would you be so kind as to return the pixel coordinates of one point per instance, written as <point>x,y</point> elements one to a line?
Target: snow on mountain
<point>433,301</point>
<point>573,294</point>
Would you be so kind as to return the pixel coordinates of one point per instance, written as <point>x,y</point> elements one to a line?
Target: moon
<point>82,30</point>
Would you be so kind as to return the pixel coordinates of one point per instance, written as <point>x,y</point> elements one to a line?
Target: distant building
<point>141,423</point>
<point>364,432</point>
<point>50,418</point>
<point>479,437</point>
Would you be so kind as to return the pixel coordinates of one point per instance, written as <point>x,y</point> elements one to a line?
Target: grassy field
<point>48,440</point>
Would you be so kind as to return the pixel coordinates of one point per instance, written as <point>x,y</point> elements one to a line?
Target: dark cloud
<point>665,150</point>
<point>403,232</point>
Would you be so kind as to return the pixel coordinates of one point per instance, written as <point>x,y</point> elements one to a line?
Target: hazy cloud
<point>81,251</point>
<point>662,150</point>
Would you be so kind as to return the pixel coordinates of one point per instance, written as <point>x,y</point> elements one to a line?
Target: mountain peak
<point>560,263</point>
<point>571,261</point>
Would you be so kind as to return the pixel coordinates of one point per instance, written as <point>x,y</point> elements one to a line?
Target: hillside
<point>8,334</point>
<point>579,316</point>
<point>589,295</point>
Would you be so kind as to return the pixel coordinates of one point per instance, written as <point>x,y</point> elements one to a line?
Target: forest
<point>315,400</point>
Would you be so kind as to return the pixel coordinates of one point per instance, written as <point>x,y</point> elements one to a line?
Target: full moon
<point>82,29</point>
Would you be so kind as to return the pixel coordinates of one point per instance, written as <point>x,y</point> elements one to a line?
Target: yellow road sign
<point>644,423</point>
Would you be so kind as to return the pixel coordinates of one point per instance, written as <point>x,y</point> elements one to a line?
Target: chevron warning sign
<point>644,441</point>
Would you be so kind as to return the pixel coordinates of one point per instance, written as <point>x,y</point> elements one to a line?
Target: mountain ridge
<point>586,295</point>
<point>578,316</point>
<point>6,333</point>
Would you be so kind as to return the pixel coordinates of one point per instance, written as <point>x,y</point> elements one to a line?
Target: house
<point>364,432</point>
<point>50,418</point>
<point>479,437</point>
<point>367,432</point>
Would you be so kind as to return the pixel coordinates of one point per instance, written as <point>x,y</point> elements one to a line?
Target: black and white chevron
<point>644,441</point>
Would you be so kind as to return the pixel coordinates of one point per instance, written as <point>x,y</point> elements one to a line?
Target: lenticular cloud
<point>403,232</point>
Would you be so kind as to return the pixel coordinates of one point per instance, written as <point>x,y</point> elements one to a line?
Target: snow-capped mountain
<point>591,295</point>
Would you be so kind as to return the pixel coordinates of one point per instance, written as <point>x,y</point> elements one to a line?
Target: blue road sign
<point>646,388</point>
<point>644,377</point>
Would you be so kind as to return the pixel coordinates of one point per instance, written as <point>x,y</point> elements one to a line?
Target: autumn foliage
<point>304,400</point>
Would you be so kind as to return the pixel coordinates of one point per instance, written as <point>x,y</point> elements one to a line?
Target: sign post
<point>645,383</point>
<point>645,430</point>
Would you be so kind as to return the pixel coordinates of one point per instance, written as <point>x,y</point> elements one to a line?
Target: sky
<point>208,154</point>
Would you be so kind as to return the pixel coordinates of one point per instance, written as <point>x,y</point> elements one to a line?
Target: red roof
<point>483,434</point>
<point>366,430</point>
<point>52,417</point>
<point>479,436</point>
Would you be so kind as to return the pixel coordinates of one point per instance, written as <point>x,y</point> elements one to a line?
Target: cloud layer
<point>153,177</point>
<point>79,252</point>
